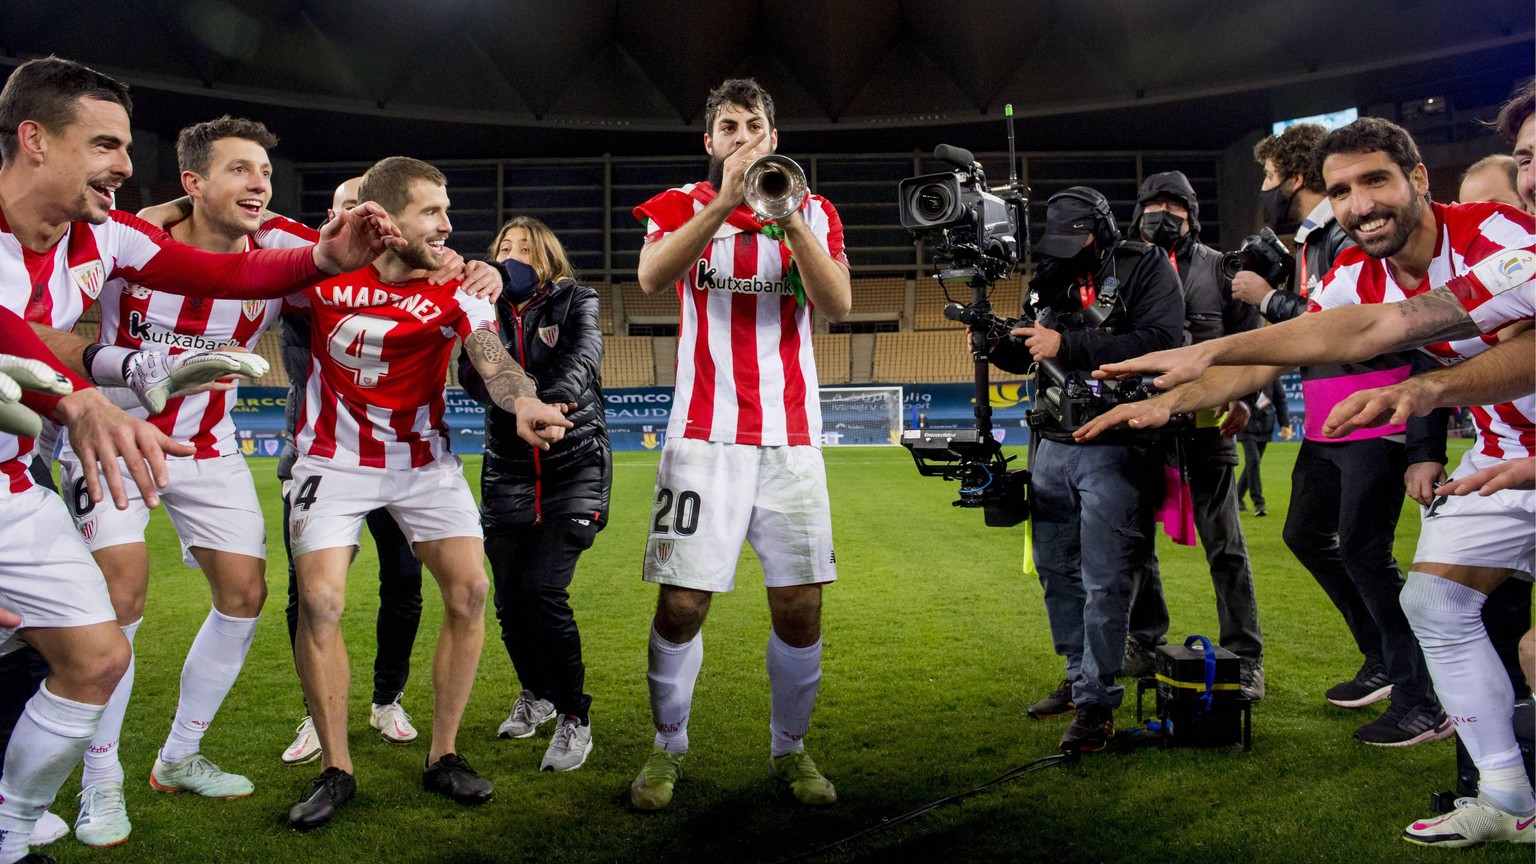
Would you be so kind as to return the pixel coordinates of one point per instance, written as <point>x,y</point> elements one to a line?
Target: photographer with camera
<point>1092,505</point>
<point>1167,217</point>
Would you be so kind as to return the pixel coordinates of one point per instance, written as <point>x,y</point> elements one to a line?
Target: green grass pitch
<point>935,643</point>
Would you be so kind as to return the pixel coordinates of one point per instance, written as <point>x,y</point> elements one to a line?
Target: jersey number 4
<point>357,343</point>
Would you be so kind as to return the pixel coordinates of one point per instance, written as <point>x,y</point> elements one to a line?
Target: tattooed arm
<point>513,391</point>
<point>1348,334</point>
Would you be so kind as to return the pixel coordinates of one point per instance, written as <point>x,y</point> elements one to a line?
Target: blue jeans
<point>1092,513</point>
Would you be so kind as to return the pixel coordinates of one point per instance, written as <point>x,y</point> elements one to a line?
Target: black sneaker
<point>36,858</point>
<point>1054,705</point>
<point>1369,685</point>
<point>1139,661</point>
<point>1400,726</point>
<point>1252,686</point>
<point>333,788</point>
<point>1090,730</point>
<point>452,777</point>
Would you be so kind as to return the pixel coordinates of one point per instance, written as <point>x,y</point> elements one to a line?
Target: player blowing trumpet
<point>742,459</point>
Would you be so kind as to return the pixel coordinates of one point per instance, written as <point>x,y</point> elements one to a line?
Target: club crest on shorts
<point>296,527</point>
<point>549,335</point>
<point>89,277</point>
<point>253,309</point>
<point>663,551</point>
<point>88,529</point>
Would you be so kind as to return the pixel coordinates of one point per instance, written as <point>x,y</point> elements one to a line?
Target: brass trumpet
<point>775,186</point>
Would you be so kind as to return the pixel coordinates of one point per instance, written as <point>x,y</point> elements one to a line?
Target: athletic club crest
<point>88,529</point>
<point>89,277</point>
<point>663,551</point>
<point>253,309</point>
<point>549,335</point>
<point>296,527</point>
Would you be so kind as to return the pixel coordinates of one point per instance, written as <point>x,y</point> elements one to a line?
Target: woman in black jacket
<point>542,509</point>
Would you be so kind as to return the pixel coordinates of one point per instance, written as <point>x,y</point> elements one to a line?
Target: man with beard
<point>372,435</point>
<point>399,571</point>
<point>1447,277</point>
<point>742,459</point>
<point>1167,216</point>
<point>1335,524</point>
<point>1094,300</point>
<point>64,138</point>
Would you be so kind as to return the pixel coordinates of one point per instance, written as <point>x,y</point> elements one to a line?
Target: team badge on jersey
<point>88,529</point>
<point>253,309</point>
<point>549,335</point>
<point>89,278</point>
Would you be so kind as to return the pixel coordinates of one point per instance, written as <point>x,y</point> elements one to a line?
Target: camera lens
<point>932,202</point>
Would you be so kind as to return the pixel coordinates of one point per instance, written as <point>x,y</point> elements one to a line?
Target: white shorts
<point>212,504</point>
<point>1474,531</point>
<point>328,502</point>
<point>47,576</point>
<point>710,496</point>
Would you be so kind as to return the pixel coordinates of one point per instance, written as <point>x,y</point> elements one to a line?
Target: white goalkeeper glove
<point>18,374</point>
<point>155,377</point>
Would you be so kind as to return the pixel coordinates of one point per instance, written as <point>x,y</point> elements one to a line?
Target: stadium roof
<point>537,77</point>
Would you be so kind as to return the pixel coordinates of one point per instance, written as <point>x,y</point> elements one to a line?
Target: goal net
<point>860,416</point>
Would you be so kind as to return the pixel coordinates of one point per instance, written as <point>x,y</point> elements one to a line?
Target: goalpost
<point>853,416</point>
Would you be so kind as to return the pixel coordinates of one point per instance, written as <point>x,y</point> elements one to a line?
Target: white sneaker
<point>527,713</point>
<point>393,723</point>
<point>49,828</point>
<point>306,747</point>
<point>197,775</point>
<point>1473,821</point>
<point>103,819</point>
<point>569,746</point>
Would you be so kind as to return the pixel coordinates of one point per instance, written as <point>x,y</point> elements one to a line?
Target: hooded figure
<point>1170,184</point>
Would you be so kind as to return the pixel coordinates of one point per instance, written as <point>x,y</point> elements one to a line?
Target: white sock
<point>1470,681</point>
<point>794,675</point>
<point>671,672</point>
<point>45,747</point>
<point>101,762</point>
<point>212,665</point>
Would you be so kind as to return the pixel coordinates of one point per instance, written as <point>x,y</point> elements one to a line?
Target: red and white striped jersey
<point>1467,235</point>
<point>745,371</point>
<point>378,366</point>
<point>56,286</point>
<point>133,316</point>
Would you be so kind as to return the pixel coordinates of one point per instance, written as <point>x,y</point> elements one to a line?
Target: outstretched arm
<point>1506,371</point>
<point>514,392</point>
<point>1216,387</point>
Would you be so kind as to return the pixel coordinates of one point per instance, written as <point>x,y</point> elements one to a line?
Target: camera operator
<point>1093,505</point>
<point>1167,217</point>
<point>1345,494</point>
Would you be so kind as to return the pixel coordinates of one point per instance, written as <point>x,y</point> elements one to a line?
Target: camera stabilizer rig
<point>976,234</point>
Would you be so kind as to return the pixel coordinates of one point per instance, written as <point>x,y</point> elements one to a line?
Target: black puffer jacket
<point>556,339</point>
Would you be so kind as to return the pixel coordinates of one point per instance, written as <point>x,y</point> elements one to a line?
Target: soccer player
<point>742,458</point>
<point>1458,274</point>
<point>64,136</point>
<point>1492,178</point>
<point>212,500</point>
<point>399,570</point>
<point>372,435</point>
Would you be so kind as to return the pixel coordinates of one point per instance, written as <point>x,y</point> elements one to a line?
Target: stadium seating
<point>935,356</point>
<point>638,304</point>
<point>832,362</point>
<point>628,361</point>
<point>880,295</point>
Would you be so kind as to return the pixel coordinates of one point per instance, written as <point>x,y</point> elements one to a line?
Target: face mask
<point>1277,207</point>
<point>1162,228</point>
<point>521,281</point>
